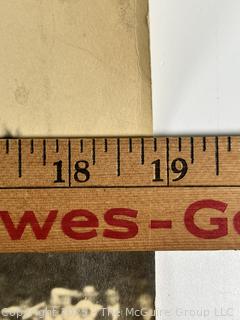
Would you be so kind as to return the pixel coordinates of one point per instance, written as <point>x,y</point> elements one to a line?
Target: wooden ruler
<point>119,194</point>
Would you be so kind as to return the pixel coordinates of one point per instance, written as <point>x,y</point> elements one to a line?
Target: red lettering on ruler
<point>236,222</point>
<point>112,218</point>
<point>82,224</point>
<point>74,224</point>
<point>69,223</point>
<point>221,223</point>
<point>28,218</point>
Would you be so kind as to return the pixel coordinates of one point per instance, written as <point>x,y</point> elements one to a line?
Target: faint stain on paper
<point>82,67</point>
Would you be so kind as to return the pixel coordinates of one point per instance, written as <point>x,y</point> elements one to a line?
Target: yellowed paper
<point>74,67</point>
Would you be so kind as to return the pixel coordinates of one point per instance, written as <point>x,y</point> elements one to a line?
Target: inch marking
<point>180,144</point>
<point>44,155</point>
<point>32,146</point>
<point>204,144</point>
<point>173,169</point>
<point>118,158</point>
<point>229,144</point>
<point>142,152</point>
<point>57,146</point>
<point>158,224</point>
<point>192,149</point>
<point>19,158</point>
<point>155,144</point>
<point>130,145</point>
<point>7,146</point>
<point>94,151</point>
<point>217,155</point>
<point>105,145</point>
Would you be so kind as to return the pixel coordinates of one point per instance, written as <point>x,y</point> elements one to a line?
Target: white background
<point>196,89</point>
<point>195,65</point>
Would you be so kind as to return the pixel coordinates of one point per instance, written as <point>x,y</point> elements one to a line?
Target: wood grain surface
<point>134,194</point>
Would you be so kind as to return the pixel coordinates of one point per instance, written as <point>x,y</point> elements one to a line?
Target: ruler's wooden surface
<point>119,194</point>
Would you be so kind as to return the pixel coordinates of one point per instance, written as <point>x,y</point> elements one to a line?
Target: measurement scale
<point>154,193</point>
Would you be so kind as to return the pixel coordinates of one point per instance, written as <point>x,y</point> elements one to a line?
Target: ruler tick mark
<point>31,146</point>
<point>204,144</point>
<point>69,164</point>
<point>118,158</point>
<point>217,155</point>
<point>94,151</point>
<point>7,146</point>
<point>155,144</point>
<point>180,144</point>
<point>44,153</point>
<point>168,158</point>
<point>81,146</point>
<point>130,145</point>
<point>229,144</point>
<point>105,145</point>
<point>57,146</point>
<point>142,151</point>
<point>19,158</point>
<point>192,149</point>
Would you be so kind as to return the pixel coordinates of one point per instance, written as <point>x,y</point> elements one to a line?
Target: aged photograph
<point>77,286</point>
